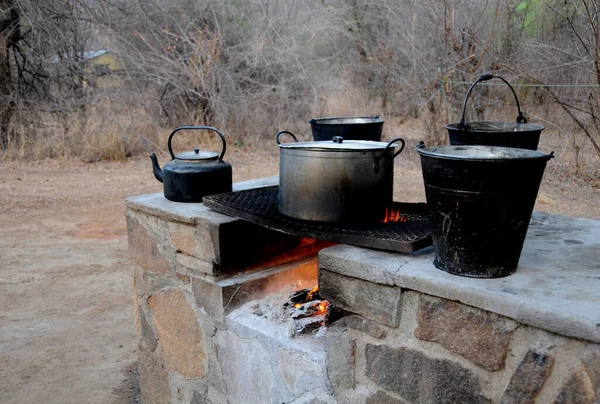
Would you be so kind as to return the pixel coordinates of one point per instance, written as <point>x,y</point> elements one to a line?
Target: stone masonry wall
<point>193,274</point>
<point>417,348</point>
<point>199,272</point>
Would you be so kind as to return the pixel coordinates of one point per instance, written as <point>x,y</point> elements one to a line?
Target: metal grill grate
<point>259,206</point>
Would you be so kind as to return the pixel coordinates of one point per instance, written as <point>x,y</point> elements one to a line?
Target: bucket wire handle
<point>197,128</point>
<point>485,77</point>
<point>391,142</point>
<point>282,132</point>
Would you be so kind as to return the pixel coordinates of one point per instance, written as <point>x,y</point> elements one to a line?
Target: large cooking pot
<point>336,180</point>
<point>191,175</point>
<point>348,127</point>
<point>519,134</point>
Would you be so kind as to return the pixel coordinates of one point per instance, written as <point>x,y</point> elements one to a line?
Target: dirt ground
<point>66,320</point>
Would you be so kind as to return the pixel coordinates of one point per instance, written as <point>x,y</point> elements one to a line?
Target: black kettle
<point>191,175</point>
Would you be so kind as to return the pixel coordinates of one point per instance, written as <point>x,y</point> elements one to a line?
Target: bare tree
<point>9,38</point>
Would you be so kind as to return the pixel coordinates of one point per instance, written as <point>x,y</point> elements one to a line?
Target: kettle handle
<point>202,128</point>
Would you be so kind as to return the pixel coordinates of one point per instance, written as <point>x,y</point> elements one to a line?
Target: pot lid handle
<point>197,128</point>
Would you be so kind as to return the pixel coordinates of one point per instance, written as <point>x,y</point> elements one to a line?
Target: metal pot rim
<point>520,127</point>
<point>481,153</point>
<point>345,146</point>
<point>347,120</point>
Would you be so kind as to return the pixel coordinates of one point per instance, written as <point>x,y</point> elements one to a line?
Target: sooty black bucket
<point>481,199</point>
<point>518,134</point>
<point>350,128</point>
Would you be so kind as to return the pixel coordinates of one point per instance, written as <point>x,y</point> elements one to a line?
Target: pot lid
<point>197,154</point>
<point>338,144</point>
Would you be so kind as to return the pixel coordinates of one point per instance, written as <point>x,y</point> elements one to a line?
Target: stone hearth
<point>414,333</point>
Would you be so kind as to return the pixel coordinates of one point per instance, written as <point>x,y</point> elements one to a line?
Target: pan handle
<point>485,77</point>
<point>282,132</point>
<point>391,142</point>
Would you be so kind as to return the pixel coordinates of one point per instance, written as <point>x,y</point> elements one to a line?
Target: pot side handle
<point>391,142</point>
<point>198,128</point>
<point>398,139</point>
<point>282,132</point>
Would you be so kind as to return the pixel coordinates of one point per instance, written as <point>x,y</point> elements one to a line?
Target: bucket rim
<point>532,127</point>
<point>481,153</point>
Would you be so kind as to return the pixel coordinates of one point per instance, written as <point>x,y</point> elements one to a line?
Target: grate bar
<point>259,206</point>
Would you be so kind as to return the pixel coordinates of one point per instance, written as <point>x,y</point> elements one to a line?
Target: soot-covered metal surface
<point>259,206</point>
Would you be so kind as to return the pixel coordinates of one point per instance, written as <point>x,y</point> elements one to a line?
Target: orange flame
<point>314,290</point>
<point>322,308</point>
<point>393,215</point>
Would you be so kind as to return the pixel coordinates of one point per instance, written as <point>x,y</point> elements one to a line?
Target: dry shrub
<point>98,133</point>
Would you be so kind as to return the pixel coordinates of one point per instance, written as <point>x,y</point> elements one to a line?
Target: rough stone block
<point>210,397</point>
<point>367,326</point>
<point>179,333</point>
<point>154,378</point>
<point>340,349</point>
<point>321,397</point>
<point>144,248</point>
<point>147,331</point>
<point>528,379</point>
<point>299,373</point>
<point>591,361</point>
<point>381,397</point>
<point>583,385</point>
<point>246,368</point>
<point>183,278</point>
<point>480,336</point>
<point>194,265</point>
<point>136,307</point>
<point>217,297</point>
<point>377,302</point>
<point>147,283</point>
<point>198,398</point>
<point>190,391</point>
<point>578,388</point>
<point>419,378</point>
<point>196,241</point>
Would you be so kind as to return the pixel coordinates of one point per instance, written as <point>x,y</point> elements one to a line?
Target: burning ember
<point>393,215</point>
<point>309,312</point>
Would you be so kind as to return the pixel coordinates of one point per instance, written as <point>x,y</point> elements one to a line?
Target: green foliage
<point>536,17</point>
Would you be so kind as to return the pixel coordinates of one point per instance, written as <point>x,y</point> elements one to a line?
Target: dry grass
<point>101,132</point>
<point>107,131</point>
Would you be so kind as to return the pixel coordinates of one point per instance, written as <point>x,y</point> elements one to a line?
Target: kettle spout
<point>158,172</point>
